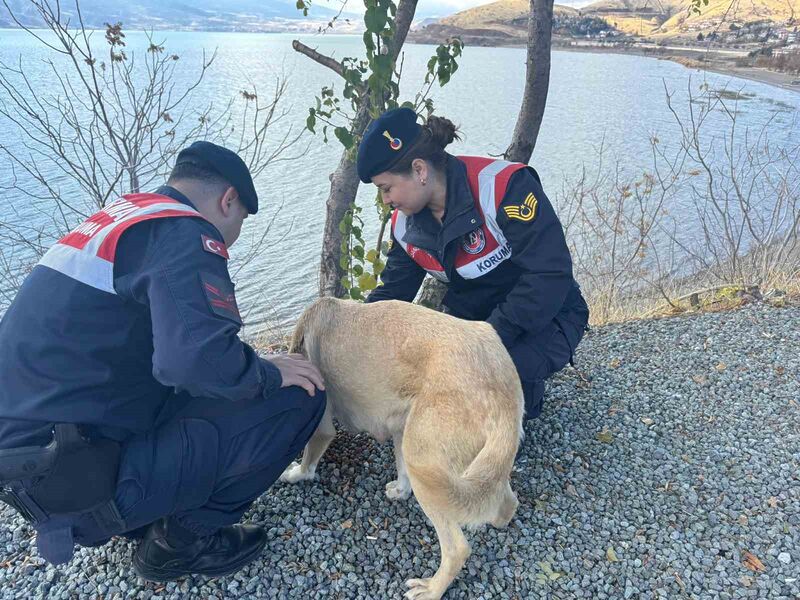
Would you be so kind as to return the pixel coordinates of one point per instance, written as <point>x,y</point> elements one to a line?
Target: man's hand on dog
<point>297,370</point>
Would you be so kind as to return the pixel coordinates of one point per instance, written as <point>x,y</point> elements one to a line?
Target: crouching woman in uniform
<point>486,229</point>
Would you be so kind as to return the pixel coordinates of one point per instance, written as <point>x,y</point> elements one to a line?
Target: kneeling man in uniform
<point>128,404</point>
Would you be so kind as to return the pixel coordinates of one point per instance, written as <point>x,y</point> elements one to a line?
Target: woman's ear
<point>420,169</point>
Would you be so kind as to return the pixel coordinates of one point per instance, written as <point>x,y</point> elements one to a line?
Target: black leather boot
<point>169,551</point>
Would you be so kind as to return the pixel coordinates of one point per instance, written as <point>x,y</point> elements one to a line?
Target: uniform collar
<point>171,192</point>
<point>460,215</point>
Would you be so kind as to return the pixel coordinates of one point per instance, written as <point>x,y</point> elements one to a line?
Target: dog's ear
<point>296,345</point>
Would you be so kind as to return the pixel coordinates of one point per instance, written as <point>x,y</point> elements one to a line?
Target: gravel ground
<point>671,469</point>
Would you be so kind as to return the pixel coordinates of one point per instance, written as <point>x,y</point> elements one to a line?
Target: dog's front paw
<point>398,490</point>
<point>423,589</point>
<point>294,473</point>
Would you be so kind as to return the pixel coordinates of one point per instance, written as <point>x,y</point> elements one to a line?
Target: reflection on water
<point>614,100</point>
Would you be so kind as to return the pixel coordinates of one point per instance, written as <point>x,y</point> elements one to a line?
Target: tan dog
<point>443,389</point>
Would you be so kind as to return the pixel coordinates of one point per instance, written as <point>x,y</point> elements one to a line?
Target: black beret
<point>385,142</point>
<point>225,163</point>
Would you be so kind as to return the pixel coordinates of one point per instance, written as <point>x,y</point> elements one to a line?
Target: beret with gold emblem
<point>386,141</point>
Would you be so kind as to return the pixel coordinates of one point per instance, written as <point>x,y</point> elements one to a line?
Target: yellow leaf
<point>699,379</point>
<point>605,436</point>
<point>549,572</point>
<point>614,364</point>
<point>721,367</point>
<point>742,520</point>
<point>773,502</point>
<point>611,555</point>
<point>746,580</point>
<point>751,561</point>
<point>647,421</point>
<point>347,524</point>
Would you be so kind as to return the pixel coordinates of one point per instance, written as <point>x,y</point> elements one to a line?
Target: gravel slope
<point>653,476</point>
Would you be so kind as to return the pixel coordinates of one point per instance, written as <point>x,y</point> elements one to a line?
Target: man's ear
<point>227,199</point>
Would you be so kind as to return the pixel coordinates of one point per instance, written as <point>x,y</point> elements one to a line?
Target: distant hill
<point>505,22</point>
<point>506,15</point>
<point>500,23</point>
<point>674,18</point>
<point>741,13</point>
<point>208,15</point>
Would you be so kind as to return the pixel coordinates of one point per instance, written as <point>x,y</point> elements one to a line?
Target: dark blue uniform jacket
<point>72,353</point>
<point>523,294</point>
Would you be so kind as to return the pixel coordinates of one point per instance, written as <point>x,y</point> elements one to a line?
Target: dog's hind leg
<point>507,508</point>
<point>399,489</point>
<point>455,551</point>
<point>314,450</point>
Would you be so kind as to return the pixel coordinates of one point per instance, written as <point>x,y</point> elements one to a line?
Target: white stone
<point>785,558</point>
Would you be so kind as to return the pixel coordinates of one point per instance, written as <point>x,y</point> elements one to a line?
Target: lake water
<point>616,100</point>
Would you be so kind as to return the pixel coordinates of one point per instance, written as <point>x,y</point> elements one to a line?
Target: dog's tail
<point>496,456</point>
<point>476,491</point>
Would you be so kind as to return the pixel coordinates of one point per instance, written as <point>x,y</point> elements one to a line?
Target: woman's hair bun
<point>443,131</point>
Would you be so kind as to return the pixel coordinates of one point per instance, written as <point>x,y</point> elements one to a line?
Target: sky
<point>438,8</point>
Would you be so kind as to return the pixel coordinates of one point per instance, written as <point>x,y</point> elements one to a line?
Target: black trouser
<point>209,460</point>
<point>205,462</point>
<point>538,355</point>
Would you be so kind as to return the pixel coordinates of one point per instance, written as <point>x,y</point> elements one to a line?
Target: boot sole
<point>160,575</point>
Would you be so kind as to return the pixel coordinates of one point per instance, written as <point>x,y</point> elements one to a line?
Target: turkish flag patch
<point>215,247</point>
<point>220,296</point>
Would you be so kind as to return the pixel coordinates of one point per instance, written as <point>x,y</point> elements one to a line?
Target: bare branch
<point>325,61</point>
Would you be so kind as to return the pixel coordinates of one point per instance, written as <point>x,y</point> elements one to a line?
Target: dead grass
<point>783,291</point>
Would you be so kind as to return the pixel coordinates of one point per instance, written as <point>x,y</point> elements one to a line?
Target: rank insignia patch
<point>220,296</point>
<point>523,212</point>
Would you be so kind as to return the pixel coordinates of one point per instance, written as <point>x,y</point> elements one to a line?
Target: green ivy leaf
<point>344,136</point>
<point>367,282</point>
<point>375,19</point>
<point>311,121</point>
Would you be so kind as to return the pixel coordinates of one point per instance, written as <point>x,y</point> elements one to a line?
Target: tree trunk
<point>537,82</point>
<point>344,181</point>
<point>432,293</point>
<point>344,186</point>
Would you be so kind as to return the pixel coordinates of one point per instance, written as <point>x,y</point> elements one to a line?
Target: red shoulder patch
<point>220,296</point>
<point>215,247</point>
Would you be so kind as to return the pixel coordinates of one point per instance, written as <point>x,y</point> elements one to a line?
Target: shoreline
<point>715,64</point>
<point>720,61</point>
